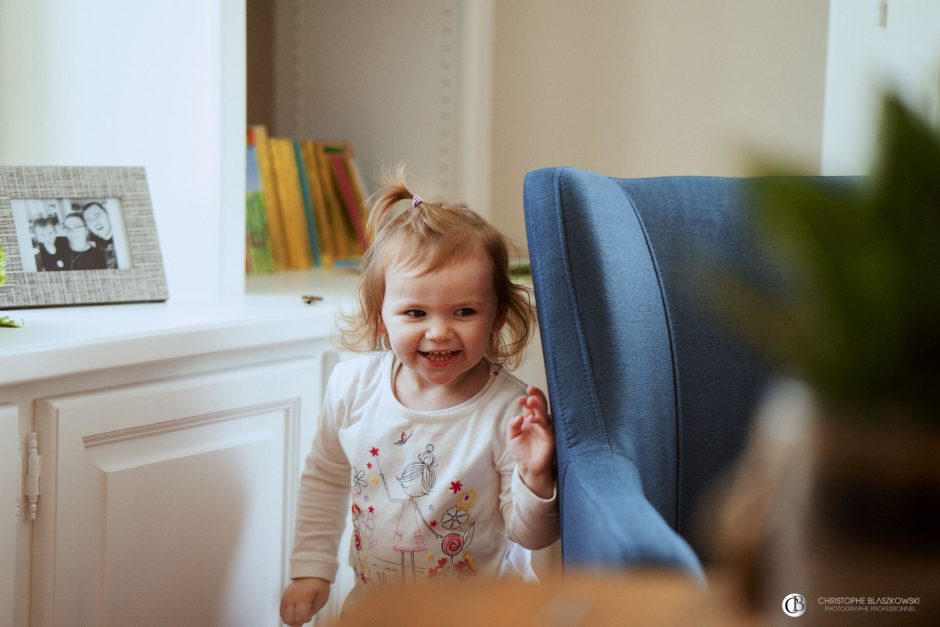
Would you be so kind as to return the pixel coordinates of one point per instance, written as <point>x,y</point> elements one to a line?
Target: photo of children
<point>63,234</point>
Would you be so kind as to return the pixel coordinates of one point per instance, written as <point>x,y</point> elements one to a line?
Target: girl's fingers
<point>536,400</point>
<point>515,426</point>
<point>534,391</point>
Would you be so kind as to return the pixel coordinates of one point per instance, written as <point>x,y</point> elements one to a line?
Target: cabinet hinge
<point>33,474</point>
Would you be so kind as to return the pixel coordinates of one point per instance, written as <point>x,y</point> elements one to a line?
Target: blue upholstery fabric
<point>651,395</point>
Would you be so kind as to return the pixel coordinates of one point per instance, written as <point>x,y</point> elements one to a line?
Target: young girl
<point>446,476</point>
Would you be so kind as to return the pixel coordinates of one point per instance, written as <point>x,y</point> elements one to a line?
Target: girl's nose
<point>437,330</point>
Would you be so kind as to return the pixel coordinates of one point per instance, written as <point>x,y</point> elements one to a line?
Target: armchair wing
<point>651,397</point>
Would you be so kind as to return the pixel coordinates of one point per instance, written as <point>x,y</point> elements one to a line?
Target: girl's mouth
<point>439,358</point>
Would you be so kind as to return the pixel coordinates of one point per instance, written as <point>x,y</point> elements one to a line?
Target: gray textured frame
<point>144,281</point>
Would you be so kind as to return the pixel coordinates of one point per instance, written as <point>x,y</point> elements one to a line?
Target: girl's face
<point>439,323</point>
<point>413,487</point>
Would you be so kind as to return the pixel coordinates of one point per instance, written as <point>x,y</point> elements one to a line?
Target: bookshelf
<point>400,81</point>
<point>403,80</point>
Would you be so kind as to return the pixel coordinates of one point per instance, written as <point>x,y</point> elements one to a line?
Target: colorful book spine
<point>343,237</point>
<point>259,258</point>
<point>308,205</point>
<point>350,202</point>
<point>258,134</point>
<point>297,240</point>
<point>324,230</point>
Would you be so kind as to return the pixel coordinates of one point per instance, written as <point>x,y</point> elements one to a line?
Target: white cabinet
<point>172,439</point>
<point>168,503</point>
<point>11,503</point>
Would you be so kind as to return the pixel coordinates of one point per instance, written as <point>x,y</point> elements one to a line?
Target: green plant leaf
<point>860,318</point>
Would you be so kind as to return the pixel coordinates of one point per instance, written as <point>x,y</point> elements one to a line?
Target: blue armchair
<point>650,393</point>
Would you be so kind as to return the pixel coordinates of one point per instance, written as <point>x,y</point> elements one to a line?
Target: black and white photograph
<point>78,236</point>
<point>71,234</point>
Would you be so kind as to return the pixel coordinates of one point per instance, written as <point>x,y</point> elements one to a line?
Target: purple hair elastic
<point>416,200</point>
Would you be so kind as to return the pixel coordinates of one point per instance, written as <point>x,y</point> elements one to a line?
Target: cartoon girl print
<point>416,479</point>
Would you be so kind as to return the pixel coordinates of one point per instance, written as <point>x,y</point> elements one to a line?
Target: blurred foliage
<point>859,319</point>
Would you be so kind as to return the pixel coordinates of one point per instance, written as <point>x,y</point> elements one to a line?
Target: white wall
<point>653,87</point>
<point>143,83</point>
<point>383,74</point>
<point>865,58</point>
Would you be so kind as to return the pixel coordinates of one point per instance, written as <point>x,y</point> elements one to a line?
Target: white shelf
<point>329,283</point>
<point>61,341</point>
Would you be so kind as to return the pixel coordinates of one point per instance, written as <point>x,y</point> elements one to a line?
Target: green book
<point>259,258</point>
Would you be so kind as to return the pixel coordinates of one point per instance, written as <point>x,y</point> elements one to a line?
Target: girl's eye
<point>465,311</point>
<point>415,313</point>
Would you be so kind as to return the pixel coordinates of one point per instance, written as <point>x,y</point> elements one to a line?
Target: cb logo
<point>794,605</point>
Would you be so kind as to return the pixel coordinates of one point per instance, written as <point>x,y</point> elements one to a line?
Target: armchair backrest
<point>637,365</point>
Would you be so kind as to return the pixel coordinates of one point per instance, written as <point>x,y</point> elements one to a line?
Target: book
<point>344,238</point>
<point>259,258</point>
<point>338,154</point>
<point>258,135</point>
<point>307,202</point>
<point>290,199</point>
<point>321,215</point>
<point>358,186</point>
<point>312,232</point>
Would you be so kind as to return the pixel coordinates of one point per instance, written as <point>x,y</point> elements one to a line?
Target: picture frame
<point>78,236</point>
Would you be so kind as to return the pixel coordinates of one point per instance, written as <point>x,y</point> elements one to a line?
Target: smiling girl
<point>444,323</point>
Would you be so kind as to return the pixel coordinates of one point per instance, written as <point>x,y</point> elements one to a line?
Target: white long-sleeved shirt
<point>432,493</point>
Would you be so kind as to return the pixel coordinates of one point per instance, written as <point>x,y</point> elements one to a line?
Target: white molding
<point>233,120</point>
<point>11,496</point>
<point>476,115</point>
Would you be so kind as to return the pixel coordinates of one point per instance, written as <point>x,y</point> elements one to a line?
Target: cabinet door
<point>13,510</point>
<point>171,503</point>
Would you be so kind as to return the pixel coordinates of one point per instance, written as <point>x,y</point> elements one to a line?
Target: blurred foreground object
<point>838,497</point>
<point>640,597</point>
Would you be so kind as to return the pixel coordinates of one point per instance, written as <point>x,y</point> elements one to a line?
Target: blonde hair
<point>427,235</point>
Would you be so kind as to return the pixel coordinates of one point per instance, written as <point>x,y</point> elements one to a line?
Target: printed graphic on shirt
<point>419,543</point>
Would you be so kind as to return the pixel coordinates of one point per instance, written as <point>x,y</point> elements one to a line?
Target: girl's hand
<point>532,443</point>
<point>302,599</point>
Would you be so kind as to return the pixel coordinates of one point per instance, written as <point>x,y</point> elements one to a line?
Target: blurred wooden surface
<point>642,597</point>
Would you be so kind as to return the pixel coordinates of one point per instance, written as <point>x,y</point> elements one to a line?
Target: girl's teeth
<point>439,355</point>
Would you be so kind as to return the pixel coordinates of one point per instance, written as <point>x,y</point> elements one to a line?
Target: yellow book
<point>272,207</point>
<point>290,198</point>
